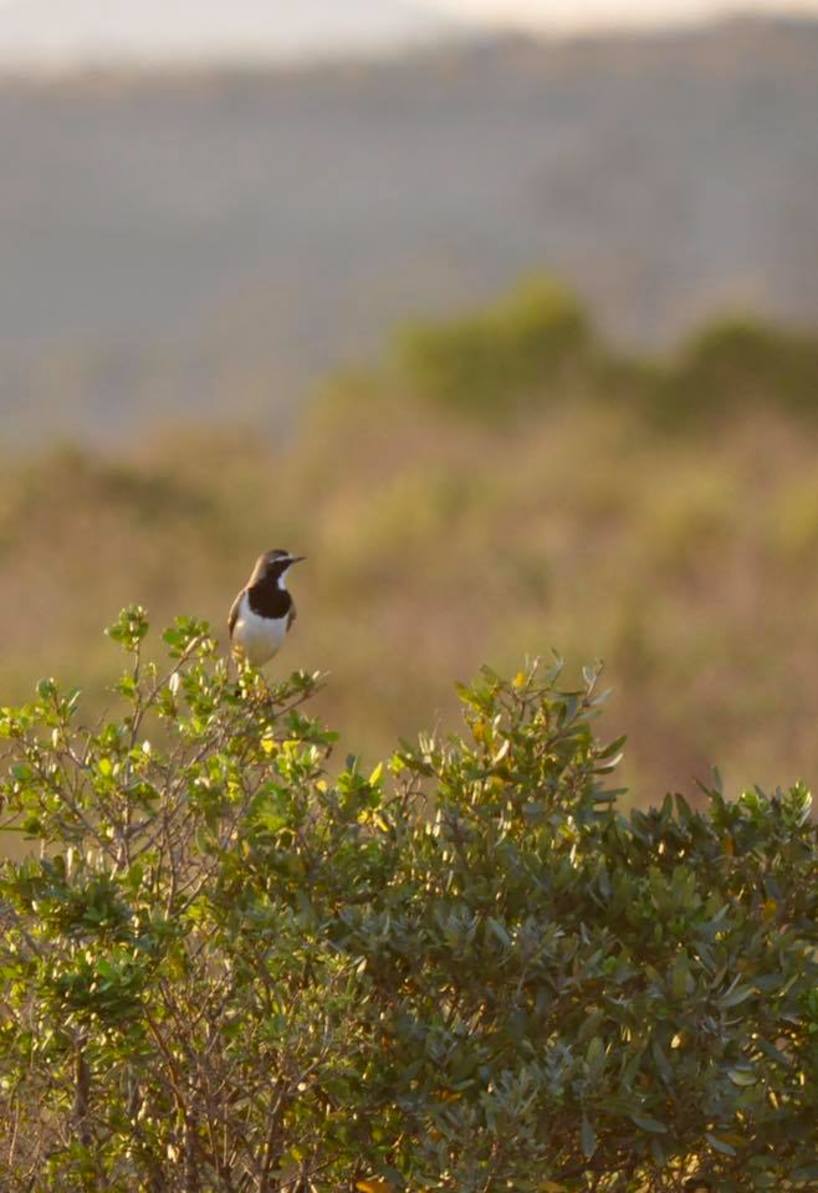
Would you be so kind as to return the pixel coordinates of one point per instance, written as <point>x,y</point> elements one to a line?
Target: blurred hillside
<point>499,485</point>
<point>196,243</point>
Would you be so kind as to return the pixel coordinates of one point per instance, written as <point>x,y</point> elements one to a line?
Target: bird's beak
<point>297,559</point>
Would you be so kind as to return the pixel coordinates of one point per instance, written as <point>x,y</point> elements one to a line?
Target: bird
<point>263,611</point>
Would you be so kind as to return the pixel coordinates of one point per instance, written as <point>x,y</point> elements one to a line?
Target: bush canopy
<point>229,965</point>
<point>490,361</point>
<point>537,347</point>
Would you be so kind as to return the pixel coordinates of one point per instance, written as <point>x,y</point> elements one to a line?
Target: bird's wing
<point>291,616</point>
<point>234,614</point>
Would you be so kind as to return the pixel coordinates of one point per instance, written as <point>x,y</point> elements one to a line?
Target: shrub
<point>489,363</point>
<point>537,345</point>
<point>227,968</point>
<point>736,364</point>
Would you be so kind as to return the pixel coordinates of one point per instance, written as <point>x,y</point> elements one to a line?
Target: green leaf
<point>499,931</point>
<point>742,1077</point>
<point>130,627</point>
<point>184,634</point>
<point>595,1056</point>
<point>588,1138</point>
<point>646,1123</point>
<point>735,996</point>
<point>719,1145</point>
<point>681,980</point>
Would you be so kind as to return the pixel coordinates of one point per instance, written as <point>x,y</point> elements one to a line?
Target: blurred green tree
<point>487,363</point>
<point>737,364</point>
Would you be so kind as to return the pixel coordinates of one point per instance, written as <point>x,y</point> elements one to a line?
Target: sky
<point>545,13</point>
<point>548,14</point>
<point>56,32</point>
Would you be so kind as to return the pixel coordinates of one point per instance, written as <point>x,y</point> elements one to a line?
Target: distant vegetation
<point>538,346</point>
<point>493,361</point>
<point>660,513</point>
<point>227,967</point>
<point>172,238</point>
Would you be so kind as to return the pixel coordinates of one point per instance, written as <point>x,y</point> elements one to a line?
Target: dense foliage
<point>488,362</point>
<point>229,966</point>
<point>538,346</point>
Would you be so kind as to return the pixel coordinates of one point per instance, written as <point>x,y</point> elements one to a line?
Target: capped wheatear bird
<point>263,611</point>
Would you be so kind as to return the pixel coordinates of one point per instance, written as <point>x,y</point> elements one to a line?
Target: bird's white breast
<point>258,638</point>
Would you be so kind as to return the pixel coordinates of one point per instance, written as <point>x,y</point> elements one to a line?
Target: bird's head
<point>274,565</point>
